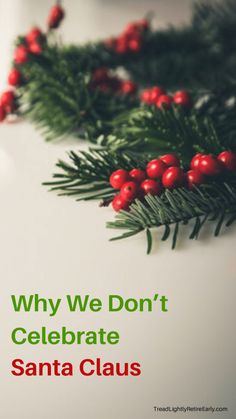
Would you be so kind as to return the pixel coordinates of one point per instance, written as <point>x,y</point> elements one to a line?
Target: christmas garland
<point>161,157</point>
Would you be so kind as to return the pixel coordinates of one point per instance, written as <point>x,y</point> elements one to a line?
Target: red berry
<point>119,203</point>
<point>129,191</point>
<point>35,48</point>
<point>173,177</point>
<point>34,35</point>
<point>8,100</point>
<point>2,113</point>
<point>170,160</point>
<point>55,16</point>
<point>121,45</point>
<point>118,178</point>
<point>146,96</point>
<point>196,161</point>
<point>135,43</point>
<point>150,186</point>
<point>132,28</point>
<point>210,166</point>
<point>228,158</point>
<point>194,177</point>
<point>156,92</point>
<point>128,87</point>
<point>155,168</point>
<point>183,98</point>
<point>21,54</point>
<point>14,77</point>
<point>164,101</point>
<point>137,175</point>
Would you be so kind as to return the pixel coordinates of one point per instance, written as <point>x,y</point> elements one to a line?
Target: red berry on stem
<point>137,175</point>
<point>14,77</point>
<point>132,28</point>
<point>119,203</point>
<point>173,177</point>
<point>170,160</point>
<point>164,101</point>
<point>146,96</point>
<point>2,113</point>
<point>129,191</point>
<point>135,43</point>
<point>195,162</point>
<point>194,177</point>
<point>118,178</point>
<point>128,87</point>
<point>210,166</point>
<point>156,92</point>
<point>34,35</point>
<point>35,48</point>
<point>21,54</point>
<point>8,100</point>
<point>183,98</point>
<point>155,168</point>
<point>150,186</point>
<point>121,45</point>
<point>228,158</point>
<point>55,17</point>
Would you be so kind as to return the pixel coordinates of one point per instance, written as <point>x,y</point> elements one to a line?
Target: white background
<point>56,246</point>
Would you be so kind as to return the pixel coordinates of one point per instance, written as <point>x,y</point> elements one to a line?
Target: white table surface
<point>55,246</point>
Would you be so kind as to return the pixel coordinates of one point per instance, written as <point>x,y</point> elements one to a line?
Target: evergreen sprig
<point>199,56</point>
<point>59,99</point>
<point>214,202</point>
<point>149,131</point>
<point>86,175</point>
<point>144,134</point>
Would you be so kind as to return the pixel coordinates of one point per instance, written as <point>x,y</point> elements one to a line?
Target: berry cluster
<point>210,165</point>
<point>106,82</point>
<point>166,173</point>
<point>131,39</point>
<point>157,96</point>
<point>32,43</point>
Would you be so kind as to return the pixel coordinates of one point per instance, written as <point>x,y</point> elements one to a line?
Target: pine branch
<point>87,174</point>
<point>222,112</point>
<point>149,131</point>
<point>59,96</point>
<point>214,202</point>
<point>199,56</point>
<point>143,134</point>
<point>59,100</point>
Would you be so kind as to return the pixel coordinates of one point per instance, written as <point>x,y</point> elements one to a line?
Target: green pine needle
<point>178,207</point>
